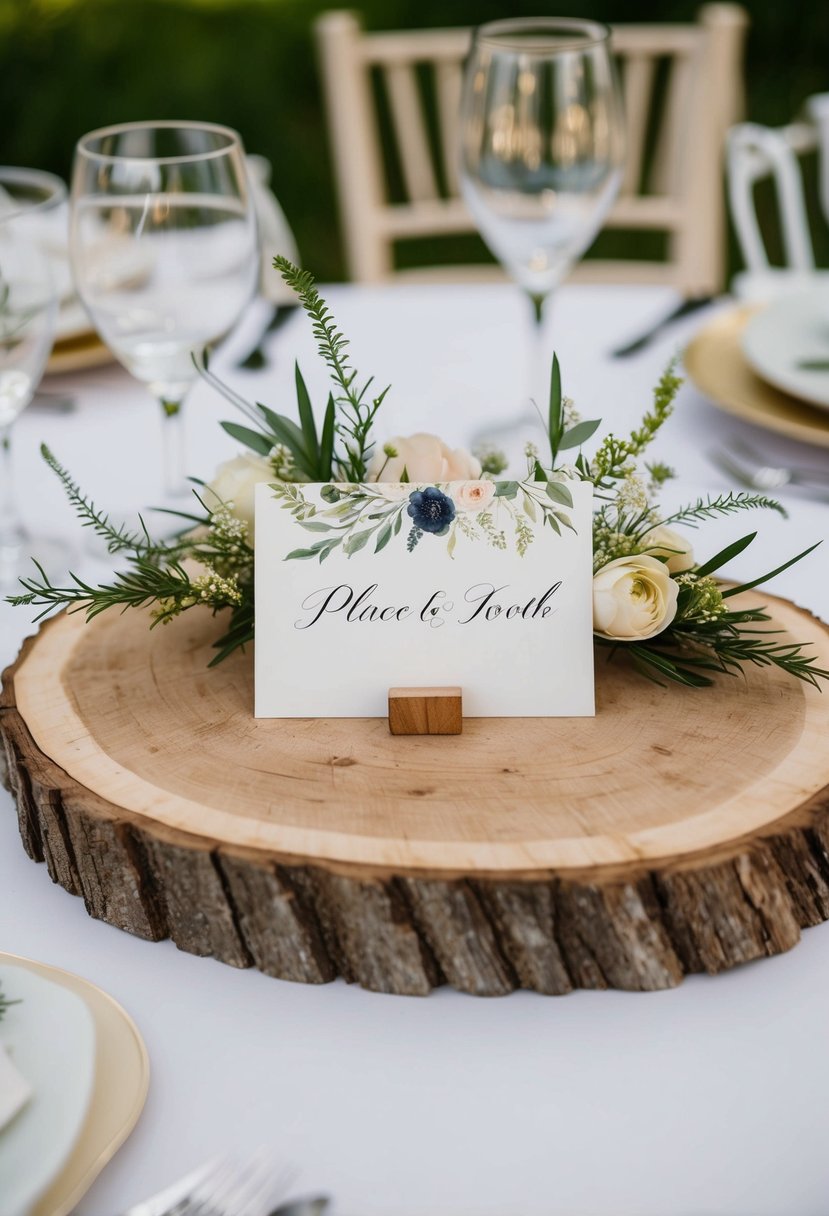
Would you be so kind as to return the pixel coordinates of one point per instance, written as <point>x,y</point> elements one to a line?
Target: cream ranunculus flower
<point>425,458</point>
<point>473,495</point>
<point>664,542</point>
<point>634,598</point>
<point>234,483</point>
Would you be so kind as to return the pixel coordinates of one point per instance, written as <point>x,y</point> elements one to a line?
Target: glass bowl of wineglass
<point>164,253</point>
<point>32,213</point>
<point>541,147</point>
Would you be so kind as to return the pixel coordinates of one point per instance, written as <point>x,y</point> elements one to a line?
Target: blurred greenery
<point>67,66</point>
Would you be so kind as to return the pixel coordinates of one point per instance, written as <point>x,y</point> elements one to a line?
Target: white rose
<point>634,598</point>
<point>473,495</point>
<point>426,460</point>
<point>664,542</point>
<point>234,483</point>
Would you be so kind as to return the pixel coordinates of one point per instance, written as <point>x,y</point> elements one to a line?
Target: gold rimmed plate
<point>716,364</point>
<point>77,353</point>
<point>122,1074</point>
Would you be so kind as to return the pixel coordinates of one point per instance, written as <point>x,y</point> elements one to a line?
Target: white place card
<point>486,585</point>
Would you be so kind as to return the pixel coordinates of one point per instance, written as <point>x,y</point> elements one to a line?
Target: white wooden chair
<point>675,188</point>
<point>755,153</point>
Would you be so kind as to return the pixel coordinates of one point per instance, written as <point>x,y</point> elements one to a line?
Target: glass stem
<point>537,371</point>
<point>10,528</point>
<point>174,461</point>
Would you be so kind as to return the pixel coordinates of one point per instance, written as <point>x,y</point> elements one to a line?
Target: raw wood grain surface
<point>678,831</point>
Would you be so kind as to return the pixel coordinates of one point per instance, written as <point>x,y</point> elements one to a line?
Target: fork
<point>219,1188</point>
<point>248,1190</point>
<point>757,475</point>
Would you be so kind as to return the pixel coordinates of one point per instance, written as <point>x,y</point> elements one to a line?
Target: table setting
<point>372,642</point>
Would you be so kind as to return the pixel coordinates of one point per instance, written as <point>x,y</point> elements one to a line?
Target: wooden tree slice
<point>678,831</point>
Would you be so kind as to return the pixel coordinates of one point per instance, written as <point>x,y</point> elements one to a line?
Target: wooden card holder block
<point>425,711</point>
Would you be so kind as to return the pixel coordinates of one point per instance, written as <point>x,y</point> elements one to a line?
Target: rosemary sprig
<point>117,538</point>
<point>683,653</point>
<point>145,582</point>
<point>723,504</point>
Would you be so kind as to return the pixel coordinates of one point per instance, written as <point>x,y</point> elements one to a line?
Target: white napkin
<point>15,1090</point>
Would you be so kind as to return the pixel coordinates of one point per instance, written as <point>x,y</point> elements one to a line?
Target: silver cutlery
<point>224,1188</point>
<point>313,1206</point>
<point>53,403</point>
<point>177,1193</point>
<point>750,469</point>
<point>684,309</point>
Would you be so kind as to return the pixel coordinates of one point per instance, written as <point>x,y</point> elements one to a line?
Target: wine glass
<point>164,252</point>
<point>542,147</point>
<point>31,203</point>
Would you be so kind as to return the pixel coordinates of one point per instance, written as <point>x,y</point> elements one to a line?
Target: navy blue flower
<point>431,511</point>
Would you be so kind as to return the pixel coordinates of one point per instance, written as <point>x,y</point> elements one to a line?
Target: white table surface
<point>710,1099</point>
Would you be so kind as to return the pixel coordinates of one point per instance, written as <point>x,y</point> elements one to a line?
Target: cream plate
<point>50,1037</point>
<point>791,329</point>
<point>121,1077</point>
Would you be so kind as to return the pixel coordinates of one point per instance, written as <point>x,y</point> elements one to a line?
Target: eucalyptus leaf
<point>383,538</point>
<point>578,434</point>
<point>559,493</point>
<point>357,541</point>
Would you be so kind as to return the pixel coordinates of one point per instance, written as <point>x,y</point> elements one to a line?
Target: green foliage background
<point>67,66</point>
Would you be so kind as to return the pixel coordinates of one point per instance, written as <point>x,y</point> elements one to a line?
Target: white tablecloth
<point>709,1099</point>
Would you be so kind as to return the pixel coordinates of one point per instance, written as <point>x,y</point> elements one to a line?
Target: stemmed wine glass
<point>542,146</point>
<point>163,246</point>
<point>30,220</point>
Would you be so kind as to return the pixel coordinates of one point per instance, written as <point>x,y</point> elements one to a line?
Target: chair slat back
<point>675,134</point>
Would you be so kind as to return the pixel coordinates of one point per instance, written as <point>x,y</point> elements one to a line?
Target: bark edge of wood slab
<point>547,854</point>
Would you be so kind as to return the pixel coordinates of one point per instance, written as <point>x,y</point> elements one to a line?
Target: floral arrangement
<point>652,600</point>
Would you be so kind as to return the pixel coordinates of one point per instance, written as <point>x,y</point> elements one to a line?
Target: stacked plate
<point>770,364</point>
<point>73,1079</point>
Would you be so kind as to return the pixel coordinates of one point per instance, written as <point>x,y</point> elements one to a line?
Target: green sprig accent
<point>143,583</point>
<point>117,537</point>
<point>723,646</point>
<point>356,412</point>
<point>724,504</point>
<point>613,460</point>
